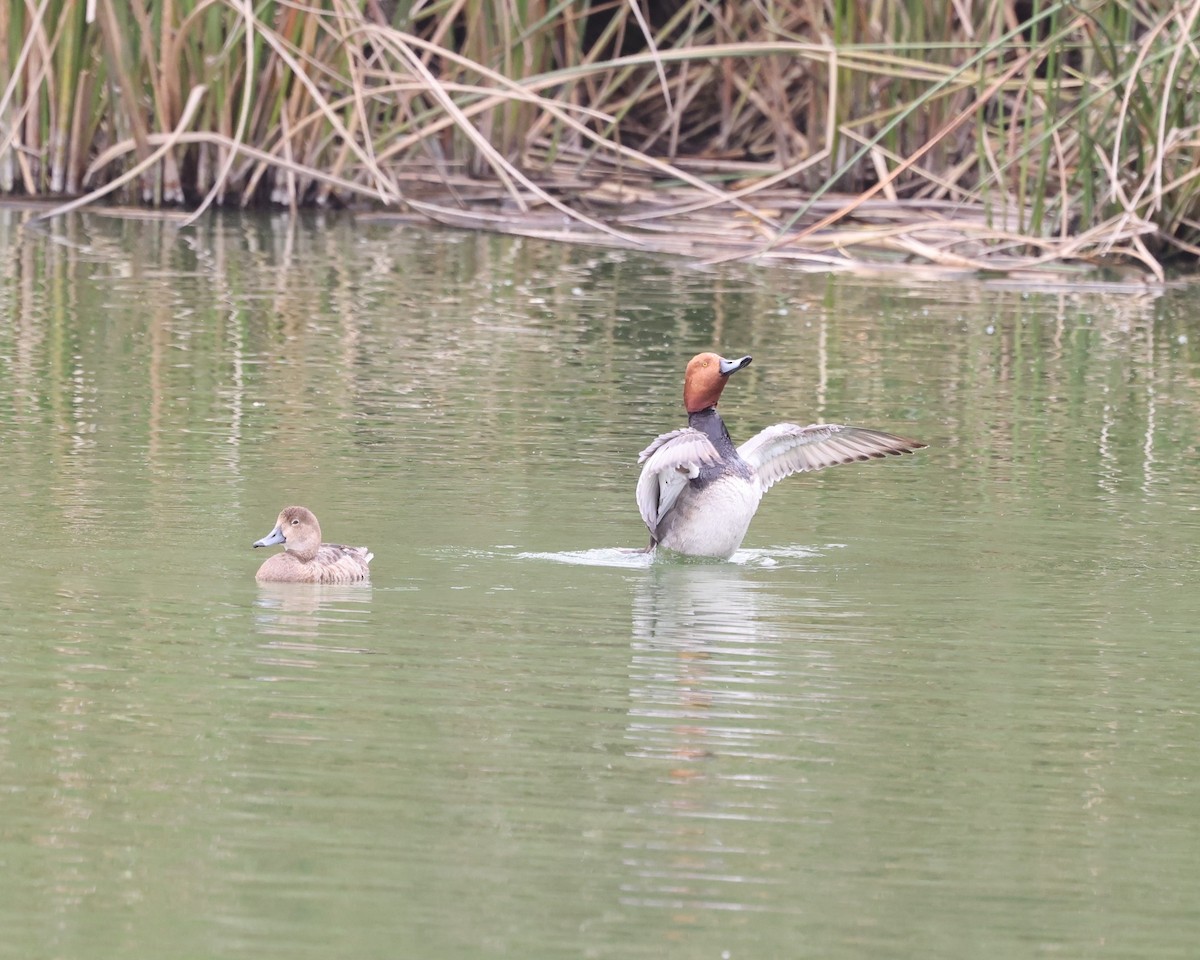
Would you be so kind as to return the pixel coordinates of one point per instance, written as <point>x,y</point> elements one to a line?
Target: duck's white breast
<point>711,521</point>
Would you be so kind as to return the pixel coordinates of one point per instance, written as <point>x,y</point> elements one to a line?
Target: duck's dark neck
<point>709,423</point>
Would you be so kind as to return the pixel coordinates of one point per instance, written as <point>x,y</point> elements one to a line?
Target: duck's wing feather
<point>786,448</point>
<point>341,564</point>
<point>669,463</point>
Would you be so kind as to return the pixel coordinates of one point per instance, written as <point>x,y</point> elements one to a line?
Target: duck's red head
<point>705,379</point>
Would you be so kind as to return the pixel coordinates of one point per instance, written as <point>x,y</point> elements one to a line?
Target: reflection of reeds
<point>824,133</point>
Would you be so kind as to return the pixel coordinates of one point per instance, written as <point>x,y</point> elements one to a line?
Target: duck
<point>305,559</point>
<point>697,492</point>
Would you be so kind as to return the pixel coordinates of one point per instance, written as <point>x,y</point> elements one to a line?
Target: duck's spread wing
<point>668,464</point>
<point>785,448</point>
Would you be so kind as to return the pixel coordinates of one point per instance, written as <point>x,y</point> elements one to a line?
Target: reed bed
<point>1004,135</point>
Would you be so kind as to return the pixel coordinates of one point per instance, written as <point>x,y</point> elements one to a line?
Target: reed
<point>833,133</point>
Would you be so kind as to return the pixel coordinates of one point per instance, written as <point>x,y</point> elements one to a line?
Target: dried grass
<point>959,139</point>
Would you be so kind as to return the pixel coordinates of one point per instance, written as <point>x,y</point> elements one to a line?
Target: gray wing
<point>785,448</point>
<point>670,462</point>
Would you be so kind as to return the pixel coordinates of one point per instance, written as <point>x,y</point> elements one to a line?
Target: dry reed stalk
<point>1076,125</point>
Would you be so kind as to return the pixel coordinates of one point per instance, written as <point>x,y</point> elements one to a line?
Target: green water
<point>941,706</point>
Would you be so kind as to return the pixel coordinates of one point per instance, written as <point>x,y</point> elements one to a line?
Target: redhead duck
<point>698,492</point>
<point>305,559</point>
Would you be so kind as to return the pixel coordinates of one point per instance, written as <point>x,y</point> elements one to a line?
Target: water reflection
<point>310,631</point>
<point>312,611</point>
<point>722,663</point>
<point>894,741</point>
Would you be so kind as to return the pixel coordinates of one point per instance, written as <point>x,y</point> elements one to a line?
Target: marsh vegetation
<point>1002,135</point>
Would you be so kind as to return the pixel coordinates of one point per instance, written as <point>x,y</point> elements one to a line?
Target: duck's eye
<point>295,522</point>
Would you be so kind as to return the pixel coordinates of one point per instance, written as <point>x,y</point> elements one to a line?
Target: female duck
<point>305,559</point>
<point>698,493</point>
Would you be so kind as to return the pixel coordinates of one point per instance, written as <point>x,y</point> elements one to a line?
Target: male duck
<point>305,559</point>
<point>698,493</point>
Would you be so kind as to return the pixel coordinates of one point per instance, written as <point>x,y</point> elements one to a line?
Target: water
<point>940,706</point>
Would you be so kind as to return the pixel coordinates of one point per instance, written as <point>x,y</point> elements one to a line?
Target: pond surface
<point>941,706</point>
